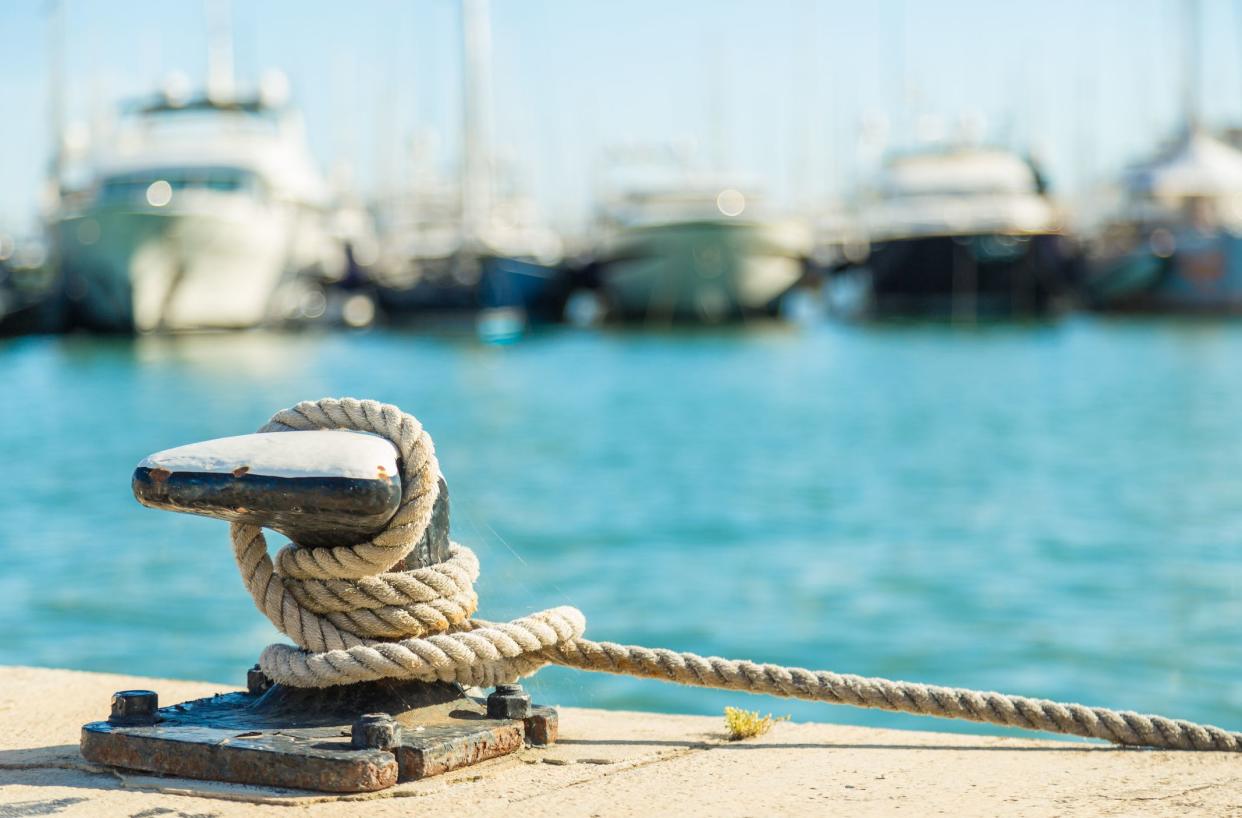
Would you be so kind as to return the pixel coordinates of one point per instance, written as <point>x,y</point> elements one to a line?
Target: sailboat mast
<point>901,123</point>
<point>219,50</point>
<point>56,102</point>
<point>1192,47</point>
<point>476,187</point>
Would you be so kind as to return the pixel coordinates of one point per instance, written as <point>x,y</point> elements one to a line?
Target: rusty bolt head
<point>375,731</point>
<point>257,681</point>
<point>508,702</point>
<point>131,708</point>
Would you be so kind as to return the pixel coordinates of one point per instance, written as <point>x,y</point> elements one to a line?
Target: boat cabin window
<point>200,121</point>
<point>959,174</point>
<point>124,187</point>
<point>638,208</point>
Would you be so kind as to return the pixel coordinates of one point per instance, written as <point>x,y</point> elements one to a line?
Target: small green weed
<point>740,724</point>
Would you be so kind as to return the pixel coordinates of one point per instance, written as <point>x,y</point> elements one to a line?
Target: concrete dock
<point>626,764</point>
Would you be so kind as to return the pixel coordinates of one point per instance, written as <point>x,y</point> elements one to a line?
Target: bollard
<point>319,488</point>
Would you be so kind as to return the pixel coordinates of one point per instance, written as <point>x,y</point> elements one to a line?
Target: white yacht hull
<point>708,271</point>
<point>225,266</point>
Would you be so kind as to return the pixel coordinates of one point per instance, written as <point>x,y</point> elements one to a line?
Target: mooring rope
<point>356,620</point>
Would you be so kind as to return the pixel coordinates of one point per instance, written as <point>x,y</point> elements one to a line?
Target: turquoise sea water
<point>1054,510</point>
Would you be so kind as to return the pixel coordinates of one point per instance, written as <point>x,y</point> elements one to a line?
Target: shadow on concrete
<point>638,742</point>
<point>83,775</point>
<point>45,806</point>
<point>721,743</point>
<point>57,765</point>
<point>58,756</point>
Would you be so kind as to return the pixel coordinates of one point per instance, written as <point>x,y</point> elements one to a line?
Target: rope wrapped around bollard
<point>356,620</point>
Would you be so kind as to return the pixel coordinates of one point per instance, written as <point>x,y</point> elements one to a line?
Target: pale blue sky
<point>777,89</point>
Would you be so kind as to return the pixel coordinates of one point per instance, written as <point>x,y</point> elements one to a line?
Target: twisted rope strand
<point>356,620</point>
<point>1120,727</point>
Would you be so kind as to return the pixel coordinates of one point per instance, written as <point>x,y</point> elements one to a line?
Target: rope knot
<point>353,616</point>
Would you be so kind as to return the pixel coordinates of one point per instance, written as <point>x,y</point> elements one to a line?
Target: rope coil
<point>354,619</point>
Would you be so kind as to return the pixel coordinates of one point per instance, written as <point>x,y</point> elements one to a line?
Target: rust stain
<point>327,772</point>
<point>240,471</point>
<point>456,752</point>
<point>160,475</point>
<point>542,727</point>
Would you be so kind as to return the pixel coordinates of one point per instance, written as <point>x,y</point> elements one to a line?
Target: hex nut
<point>257,681</point>
<point>375,731</point>
<point>508,702</point>
<point>133,708</point>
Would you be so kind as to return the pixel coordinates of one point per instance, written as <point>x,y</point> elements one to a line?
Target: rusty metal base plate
<point>300,739</point>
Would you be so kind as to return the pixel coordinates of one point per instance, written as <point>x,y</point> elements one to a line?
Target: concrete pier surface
<point>625,764</point>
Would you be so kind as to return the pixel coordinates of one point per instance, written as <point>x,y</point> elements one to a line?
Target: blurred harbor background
<point>898,339</point>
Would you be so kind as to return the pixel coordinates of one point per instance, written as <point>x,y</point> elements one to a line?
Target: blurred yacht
<point>430,265</point>
<point>202,212</point>
<point>962,231</point>
<point>475,242</point>
<point>1175,242</point>
<point>694,249</point>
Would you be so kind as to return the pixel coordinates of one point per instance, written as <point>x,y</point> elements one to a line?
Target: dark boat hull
<point>978,275</point>
<point>538,290</point>
<point>1202,276</point>
<point>26,317</point>
<point>27,307</point>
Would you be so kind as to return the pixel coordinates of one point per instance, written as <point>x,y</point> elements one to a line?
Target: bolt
<point>131,708</point>
<point>508,702</point>
<point>375,731</point>
<point>257,681</point>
